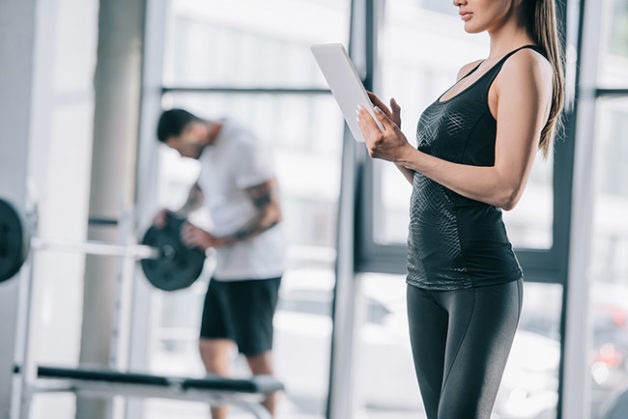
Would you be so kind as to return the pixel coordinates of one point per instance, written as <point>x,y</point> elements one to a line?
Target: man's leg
<point>215,356</point>
<point>263,364</point>
<point>216,340</point>
<point>253,304</point>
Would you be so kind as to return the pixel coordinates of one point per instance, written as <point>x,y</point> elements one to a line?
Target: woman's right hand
<point>395,115</point>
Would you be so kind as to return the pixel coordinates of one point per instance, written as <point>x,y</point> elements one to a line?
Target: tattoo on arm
<point>194,201</point>
<point>266,199</point>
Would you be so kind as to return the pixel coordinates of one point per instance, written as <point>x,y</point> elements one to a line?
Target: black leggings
<point>460,344</point>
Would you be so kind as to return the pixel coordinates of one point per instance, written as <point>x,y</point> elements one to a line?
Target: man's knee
<point>215,354</point>
<point>261,363</point>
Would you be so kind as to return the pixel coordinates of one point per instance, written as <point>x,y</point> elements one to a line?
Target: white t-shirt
<point>235,161</point>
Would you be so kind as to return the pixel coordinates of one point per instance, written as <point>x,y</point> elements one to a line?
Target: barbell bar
<point>167,263</point>
<point>138,251</point>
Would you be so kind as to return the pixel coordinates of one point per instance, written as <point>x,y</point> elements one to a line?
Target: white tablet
<point>345,84</point>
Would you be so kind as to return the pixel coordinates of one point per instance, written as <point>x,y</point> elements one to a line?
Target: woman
<point>476,145</point>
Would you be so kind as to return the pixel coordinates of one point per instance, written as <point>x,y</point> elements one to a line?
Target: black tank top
<point>455,242</point>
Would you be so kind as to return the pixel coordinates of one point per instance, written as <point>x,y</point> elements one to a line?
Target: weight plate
<point>14,241</point>
<point>179,266</point>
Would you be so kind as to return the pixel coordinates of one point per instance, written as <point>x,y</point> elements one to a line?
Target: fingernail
<point>377,109</point>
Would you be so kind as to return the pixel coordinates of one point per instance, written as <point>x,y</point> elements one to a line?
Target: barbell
<point>168,264</point>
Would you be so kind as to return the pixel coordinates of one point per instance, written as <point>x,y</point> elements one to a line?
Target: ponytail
<point>543,25</point>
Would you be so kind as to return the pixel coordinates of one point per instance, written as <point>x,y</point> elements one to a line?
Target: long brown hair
<point>542,23</point>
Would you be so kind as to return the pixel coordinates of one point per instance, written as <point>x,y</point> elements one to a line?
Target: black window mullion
<point>245,90</point>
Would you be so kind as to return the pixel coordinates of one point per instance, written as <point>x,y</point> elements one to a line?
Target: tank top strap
<point>471,72</point>
<point>532,46</point>
<point>498,66</point>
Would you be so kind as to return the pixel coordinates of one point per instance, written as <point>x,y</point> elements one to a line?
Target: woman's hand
<point>395,115</point>
<point>390,144</point>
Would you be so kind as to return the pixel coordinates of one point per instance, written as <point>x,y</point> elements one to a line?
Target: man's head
<point>183,131</point>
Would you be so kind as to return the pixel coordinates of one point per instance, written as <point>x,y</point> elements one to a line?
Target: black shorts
<point>241,311</point>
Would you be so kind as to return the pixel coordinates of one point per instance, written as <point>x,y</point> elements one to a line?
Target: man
<point>238,186</point>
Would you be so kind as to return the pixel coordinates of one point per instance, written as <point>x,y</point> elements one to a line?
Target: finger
<point>367,124</point>
<point>186,241</point>
<point>394,105</point>
<point>377,102</point>
<point>186,234</point>
<point>158,217</point>
<point>396,111</point>
<point>190,240</point>
<point>387,123</point>
<point>189,227</point>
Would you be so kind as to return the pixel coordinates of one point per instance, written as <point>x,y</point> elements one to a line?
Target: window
<point>608,356</point>
<point>256,68</point>
<point>243,43</point>
<point>613,54</point>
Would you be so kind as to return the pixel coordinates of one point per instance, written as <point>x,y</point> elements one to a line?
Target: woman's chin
<point>471,28</point>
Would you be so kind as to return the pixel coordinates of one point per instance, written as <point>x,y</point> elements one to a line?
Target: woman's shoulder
<point>527,59</point>
<point>527,66</point>
<point>465,69</point>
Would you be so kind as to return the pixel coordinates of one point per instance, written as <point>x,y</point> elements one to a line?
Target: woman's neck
<point>511,35</point>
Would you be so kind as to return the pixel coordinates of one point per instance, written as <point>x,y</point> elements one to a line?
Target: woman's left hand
<point>390,144</point>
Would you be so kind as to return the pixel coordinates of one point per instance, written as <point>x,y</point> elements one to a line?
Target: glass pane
<point>410,32</point>
<point>392,203</point>
<point>530,223</point>
<point>529,387</point>
<point>613,58</point>
<point>386,385</point>
<point>609,264</point>
<point>250,43</point>
<point>305,133</point>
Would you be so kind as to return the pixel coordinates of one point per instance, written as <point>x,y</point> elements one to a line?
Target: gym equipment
<point>180,265</point>
<point>14,243</point>
<point>168,264</point>
<point>212,389</point>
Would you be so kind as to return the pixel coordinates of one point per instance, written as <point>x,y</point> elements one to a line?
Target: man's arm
<point>193,202</point>
<point>265,197</point>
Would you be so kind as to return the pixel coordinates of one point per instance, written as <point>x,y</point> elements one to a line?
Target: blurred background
<point>341,343</point>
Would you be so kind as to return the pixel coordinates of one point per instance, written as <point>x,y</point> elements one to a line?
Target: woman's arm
<point>406,172</point>
<point>395,115</point>
<point>523,90</point>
